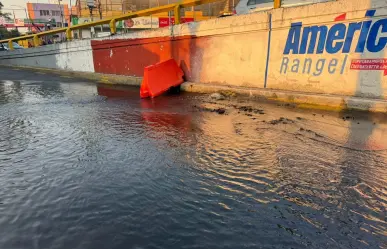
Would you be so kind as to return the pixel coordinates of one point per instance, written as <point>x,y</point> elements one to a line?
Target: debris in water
<point>220,110</point>
<point>217,96</point>
<point>206,109</point>
<point>282,120</point>
<point>250,109</point>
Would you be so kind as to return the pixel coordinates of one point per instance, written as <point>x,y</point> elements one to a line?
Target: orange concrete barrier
<point>160,77</point>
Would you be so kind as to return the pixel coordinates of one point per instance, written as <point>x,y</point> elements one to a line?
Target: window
<point>56,13</point>
<point>254,2</point>
<point>44,12</point>
<point>291,3</point>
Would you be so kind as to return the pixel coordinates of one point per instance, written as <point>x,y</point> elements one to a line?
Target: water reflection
<point>10,90</point>
<point>362,182</point>
<point>86,166</point>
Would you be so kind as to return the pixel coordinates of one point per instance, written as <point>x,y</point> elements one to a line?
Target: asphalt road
<point>87,165</point>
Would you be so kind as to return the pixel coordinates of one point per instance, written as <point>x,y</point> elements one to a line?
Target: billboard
<point>19,22</point>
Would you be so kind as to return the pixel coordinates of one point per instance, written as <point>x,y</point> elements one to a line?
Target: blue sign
<point>338,38</point>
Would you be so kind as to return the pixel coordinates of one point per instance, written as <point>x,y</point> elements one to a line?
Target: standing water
<point>92,166</point>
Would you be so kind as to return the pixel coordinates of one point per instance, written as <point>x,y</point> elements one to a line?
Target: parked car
<point>249,6</point>
<point>4,46</point>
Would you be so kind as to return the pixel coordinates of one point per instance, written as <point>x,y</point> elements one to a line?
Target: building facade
<point>108,8</point>
<point>53,13</point>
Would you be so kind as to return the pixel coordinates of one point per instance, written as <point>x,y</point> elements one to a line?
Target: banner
<point>19,22</point>
<point>35,21</point>
<point>146,22</point>
<point>83,20</point>
<point>164,21</point>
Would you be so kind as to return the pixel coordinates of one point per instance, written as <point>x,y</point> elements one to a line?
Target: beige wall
<point>344,80</point>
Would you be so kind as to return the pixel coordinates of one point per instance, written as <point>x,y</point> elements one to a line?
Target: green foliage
<point>4,33</point>
<point>5,15</point>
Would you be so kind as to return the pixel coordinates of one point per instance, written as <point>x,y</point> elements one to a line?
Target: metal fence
<point>174,8</point>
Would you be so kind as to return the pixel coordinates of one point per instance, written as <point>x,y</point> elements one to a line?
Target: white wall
<point>72,56</point>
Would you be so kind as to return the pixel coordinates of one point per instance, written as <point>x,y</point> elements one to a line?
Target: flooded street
<point>86,165</point>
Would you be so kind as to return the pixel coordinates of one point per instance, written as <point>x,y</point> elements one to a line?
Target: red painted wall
<point>130,56</point>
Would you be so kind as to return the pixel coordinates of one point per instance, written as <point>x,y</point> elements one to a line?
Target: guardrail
<point>175,7</point>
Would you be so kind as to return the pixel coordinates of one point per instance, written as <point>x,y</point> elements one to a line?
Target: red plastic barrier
<point>160,77</point>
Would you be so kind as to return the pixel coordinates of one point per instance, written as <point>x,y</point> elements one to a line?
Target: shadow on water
<point>362,182</point>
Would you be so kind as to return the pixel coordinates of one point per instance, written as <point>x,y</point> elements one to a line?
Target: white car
<point>4,46</point>
<point>249,6</point>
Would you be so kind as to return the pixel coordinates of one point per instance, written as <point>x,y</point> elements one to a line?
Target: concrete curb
<point>299,99</point>
<point>101,78</point>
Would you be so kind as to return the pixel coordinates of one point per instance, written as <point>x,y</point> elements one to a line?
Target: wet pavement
<point>86,165</point>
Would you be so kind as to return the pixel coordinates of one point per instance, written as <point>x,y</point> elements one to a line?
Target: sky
<point>9,5</point>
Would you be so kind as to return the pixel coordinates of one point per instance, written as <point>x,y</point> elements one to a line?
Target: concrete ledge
<point>101,78</point>
<point>299,99</point>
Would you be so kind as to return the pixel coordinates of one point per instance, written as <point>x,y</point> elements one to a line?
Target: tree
<point>4,15</point>
<point>4,33</point>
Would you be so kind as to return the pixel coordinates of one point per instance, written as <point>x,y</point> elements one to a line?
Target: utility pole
<point>61,13</point>
<point>91,13</point>
<point>99,9</point>
<point>14,20</point>
<point>100,13</point>
<point>91,5</point>
<point>71,14</point>
<point>27,16</point>
<point>169,17</point>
